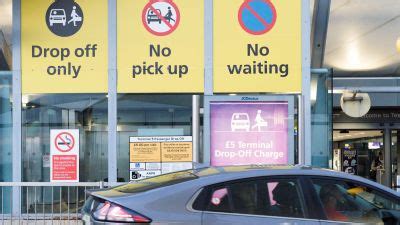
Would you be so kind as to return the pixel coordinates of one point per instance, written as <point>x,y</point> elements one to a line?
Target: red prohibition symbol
<point>64,142</point>
<point>161,17</point>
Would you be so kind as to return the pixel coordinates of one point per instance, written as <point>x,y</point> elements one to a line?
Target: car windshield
<point>157,182</point>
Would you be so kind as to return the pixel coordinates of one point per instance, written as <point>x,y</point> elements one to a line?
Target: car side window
<point>284,199</point>
<point>352,202</point>
<point>281,197</point>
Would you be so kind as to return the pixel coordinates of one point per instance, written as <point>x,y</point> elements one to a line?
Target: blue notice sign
<point>257,16</point>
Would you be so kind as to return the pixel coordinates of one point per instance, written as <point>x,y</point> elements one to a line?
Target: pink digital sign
<point>244,133</point>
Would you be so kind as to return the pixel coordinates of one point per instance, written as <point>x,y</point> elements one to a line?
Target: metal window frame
<point>17,104</point>
<point>112,92</point>
<point>304,111</point>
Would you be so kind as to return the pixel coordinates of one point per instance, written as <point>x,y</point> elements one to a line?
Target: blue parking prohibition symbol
<point>257,16</point>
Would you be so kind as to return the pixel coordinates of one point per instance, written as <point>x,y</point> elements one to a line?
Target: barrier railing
<point>44,202</point>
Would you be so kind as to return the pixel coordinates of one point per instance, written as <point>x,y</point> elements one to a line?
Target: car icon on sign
<point>240,121</point>
<point>152,17</point>
<point>57,16</point>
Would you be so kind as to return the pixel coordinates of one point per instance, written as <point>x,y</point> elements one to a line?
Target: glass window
<point>5,139</point>
<point>5,35</point>
<point>269,198</point>
<point>6,127</point>
<point>284,199</point>
<point>352,202</point>
<point>150,115</point>
<point>321,120</point>
<point>42,113</point>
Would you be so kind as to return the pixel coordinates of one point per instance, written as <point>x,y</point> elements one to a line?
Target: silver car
<point>246,195</point>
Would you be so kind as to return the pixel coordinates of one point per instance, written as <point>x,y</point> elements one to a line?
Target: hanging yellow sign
<point>64,46</point>
<point>257,46</point>
<point>160,46</point>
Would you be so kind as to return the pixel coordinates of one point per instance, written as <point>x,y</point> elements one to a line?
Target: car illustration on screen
<point>57,16</point>
<point>240,121</point>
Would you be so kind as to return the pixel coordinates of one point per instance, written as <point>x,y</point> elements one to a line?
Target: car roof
<point>227,173</point>
<point>215,175</point>
<point>269,170</point>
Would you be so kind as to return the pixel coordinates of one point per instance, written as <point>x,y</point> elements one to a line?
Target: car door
<point>256,201</point>
<point>349,202</point>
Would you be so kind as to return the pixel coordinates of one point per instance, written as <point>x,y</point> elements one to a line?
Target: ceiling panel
<point>362,37</point>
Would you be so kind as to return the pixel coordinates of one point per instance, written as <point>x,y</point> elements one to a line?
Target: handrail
<point>5,73</point>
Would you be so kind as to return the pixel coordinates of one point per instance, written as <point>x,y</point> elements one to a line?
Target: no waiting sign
<point>64,155</point>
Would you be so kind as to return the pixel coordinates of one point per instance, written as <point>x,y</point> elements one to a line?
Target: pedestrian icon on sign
<point>74,17</point>
<point>64,17</point>
<point>160,17</point>
<point>169,15</point>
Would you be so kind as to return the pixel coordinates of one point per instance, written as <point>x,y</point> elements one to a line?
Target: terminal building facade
<point>139,88</point>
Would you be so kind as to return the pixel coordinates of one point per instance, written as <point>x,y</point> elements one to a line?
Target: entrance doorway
<point>376,148</point>
<point>360,152</point>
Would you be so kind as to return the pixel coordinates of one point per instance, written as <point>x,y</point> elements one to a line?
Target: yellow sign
<point>145,152</point>
<point>257,46</point>
<point>64,46</point>
<point>160,46</point>
<point>177,152</point>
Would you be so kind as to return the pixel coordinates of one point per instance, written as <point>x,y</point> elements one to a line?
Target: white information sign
<point>153,156</point>
<point>64,155</point>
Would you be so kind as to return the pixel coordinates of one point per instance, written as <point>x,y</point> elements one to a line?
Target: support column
<point>398,157</point>
<point>196,128</point>
<point>319,149</point>
<point>16,107</point>
<point>208,47</point>
<point>112,91</point>
<point>304,110</point>
<point>387,157</point>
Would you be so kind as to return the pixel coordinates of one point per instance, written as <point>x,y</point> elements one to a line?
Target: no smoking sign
<point>161,17</point>
<point>64,155</point>
<point>64,142</point>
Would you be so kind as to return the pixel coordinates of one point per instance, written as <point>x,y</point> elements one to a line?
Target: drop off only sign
<point>257,46</point>
<point>64,46</point>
